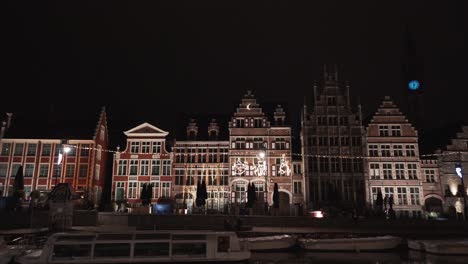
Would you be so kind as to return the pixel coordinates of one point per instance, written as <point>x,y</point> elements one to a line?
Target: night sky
<point>162,63</point>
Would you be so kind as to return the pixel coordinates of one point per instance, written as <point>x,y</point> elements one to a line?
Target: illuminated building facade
<point>453,156</point>
<point>332,138</point>
<point>44,161</point>
<point>145,160</point>
<point>393,166</point>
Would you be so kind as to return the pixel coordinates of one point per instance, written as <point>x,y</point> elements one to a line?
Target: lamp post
<point>459,172</point>
<point>65,150</point>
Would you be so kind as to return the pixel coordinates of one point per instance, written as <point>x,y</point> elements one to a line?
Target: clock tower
<point>412,78</point>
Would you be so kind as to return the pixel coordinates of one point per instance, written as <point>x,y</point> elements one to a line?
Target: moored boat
<point>351,244</point>
<point>139,247</point>
<point>440,247</point>
<point>280,242</point>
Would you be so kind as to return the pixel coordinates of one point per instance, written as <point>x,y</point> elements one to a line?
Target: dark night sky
<point>160,63</point>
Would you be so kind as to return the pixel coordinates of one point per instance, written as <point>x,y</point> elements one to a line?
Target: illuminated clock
<point>414,85</point>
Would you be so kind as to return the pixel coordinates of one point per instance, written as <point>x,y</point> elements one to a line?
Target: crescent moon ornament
<point>248,107</point>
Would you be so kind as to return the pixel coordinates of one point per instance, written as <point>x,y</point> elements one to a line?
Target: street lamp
<point>459,172</point>
<point>65,150</point>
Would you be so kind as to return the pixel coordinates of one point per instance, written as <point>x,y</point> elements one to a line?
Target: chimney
<point>9,120</point>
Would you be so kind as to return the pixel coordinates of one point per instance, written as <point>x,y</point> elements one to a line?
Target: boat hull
<point>351,244</point>
<point>269,243</point>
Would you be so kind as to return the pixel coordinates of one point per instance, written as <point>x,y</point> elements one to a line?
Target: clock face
<point>414,85</point>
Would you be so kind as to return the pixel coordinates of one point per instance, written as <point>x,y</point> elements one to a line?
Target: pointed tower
<point>412,78</point>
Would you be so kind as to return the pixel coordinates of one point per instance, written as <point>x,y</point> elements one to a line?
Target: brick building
<point>332,147</point>
<point>199,159</point>
<point>393,166</point>
<point>260,154</point>
<point>144,160</point>
<point>40,152</point>
<point>455,154</point>
<point>432,187</point>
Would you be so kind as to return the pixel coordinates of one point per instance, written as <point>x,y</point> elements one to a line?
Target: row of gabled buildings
<point>343,162</point>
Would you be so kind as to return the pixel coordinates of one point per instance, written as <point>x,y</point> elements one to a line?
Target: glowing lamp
<point>66,149</point>
<point>262,154</point>
<point>458,170</point>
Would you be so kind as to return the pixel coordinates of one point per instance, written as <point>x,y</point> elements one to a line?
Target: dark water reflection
<point>345,257</point>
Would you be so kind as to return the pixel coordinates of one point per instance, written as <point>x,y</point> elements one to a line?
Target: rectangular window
<point>388,192</point>
<point>122,168</point>
<point>70,171</point>
<point>430,175</point>
<point>29,170</point>
<point>166,167</point>
<point>356,141</point>
<point>402,196</point>
<point>384,131</point>
<point>190,180</point>
<point>400,171</point>
<point>18,149</point>
<point>133,167</point>
<point>57,172</point>
<point>119,191</point>
<point>373,150</point>
<point>297,187</point>
<point>6,148</point>
<point>224,180</point>
<point>132,190</point>
<point>156,167</point>
<point>212,155</point>
<point>414,196</point>
<point>152,249</point>
<point>387,171</point>
<point>202,155</point>
<point>179,177</point>
<point>155,189</point>
<point>84,150</point>
<point>72,151</point>
<point>145,147</point>
<point>375,191</point>
<point>3,169</point>
<point>343,121</point>
<point>344,141</point>
<point>144,167</point>
<point>14,169</point>
<point>398,150</point>
<point>46,150</point>
<point>385,150</point>
<point>112,250</point>
<point>193,249</point>
<point>83,173</point>
<point>410,151</point>
<point>374,171</point>
<point>396,131</point>
<point>134,147</point>
<point>156,147</point>
<point>166,189</point>
<point>412,172</point>
<point>44,170</point>
<point>32,148</point>
<point>71,252</point>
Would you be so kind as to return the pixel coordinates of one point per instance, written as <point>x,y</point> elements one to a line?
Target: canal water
<point>400,256</point>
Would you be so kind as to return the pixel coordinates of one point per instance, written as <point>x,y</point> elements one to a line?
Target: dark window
<point>112,250</point>
<point>70,252</point>
<point>84,152</point>
<point>151,249</point>
<point>189,249</point>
